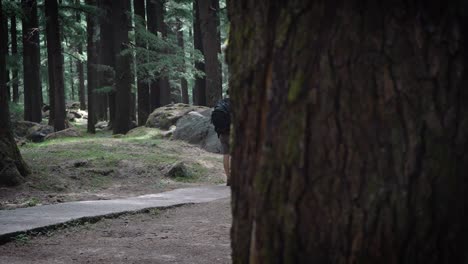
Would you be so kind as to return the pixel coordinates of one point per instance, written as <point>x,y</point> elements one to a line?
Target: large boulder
<point>69,132</point>
<point>196,128</point>
<point>21,128</point>
<point>167,116</point>
<point>38,132</point>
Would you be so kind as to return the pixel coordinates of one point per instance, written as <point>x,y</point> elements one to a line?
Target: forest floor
<point>187,234</point>
<point>102,166</point>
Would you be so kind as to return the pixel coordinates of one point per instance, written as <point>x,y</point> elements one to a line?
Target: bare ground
<point>188,234</point>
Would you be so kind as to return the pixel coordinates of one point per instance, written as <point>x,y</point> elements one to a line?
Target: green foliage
<point>16,111</point>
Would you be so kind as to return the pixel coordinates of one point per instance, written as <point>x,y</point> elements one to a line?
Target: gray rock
<point>167,116</point>
<point>69,132</point>
<point>38,132</point>
<point>196,128</point>
<point>177,170</point>
<point>21,128</point>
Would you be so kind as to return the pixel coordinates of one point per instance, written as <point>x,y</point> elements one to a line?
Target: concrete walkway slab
<point>13,222</point>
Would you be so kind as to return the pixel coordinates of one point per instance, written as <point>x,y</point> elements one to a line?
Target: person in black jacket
<point>221,119</point>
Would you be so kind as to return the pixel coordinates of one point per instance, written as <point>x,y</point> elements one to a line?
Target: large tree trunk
<point>7,71</point>
<point>183,81</point>
<point>123,74</point>
<point>211,38</point>
<point>91,30</point>
<point>14,53</point>
<point>142,87</point>
<point>31,62</point>
<point>351,131</point>
<point>54,49</point>
<point>199,90</point>
<point>12,166</point>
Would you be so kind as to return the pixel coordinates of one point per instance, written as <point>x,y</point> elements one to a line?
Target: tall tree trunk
<point>91,30</point>
<point>123,74</point>
<point>211,38</point>
<point>14,53</point>
<point>7,71</point>
<point>351,131</point>
<point>12,166</point>
<point>183,81</point>
<point>155,91</point>
<point>106,59</point>
<point>54,49</point>
<point>72,83</point>
<point>142,87</point>
<point>165,88</point>
<point>80,68</point>
<point>31,62</point>
<point>199,90</point>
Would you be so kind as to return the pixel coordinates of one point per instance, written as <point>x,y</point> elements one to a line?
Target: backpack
<point>221,116</point>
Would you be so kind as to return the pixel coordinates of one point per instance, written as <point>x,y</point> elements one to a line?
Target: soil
<point>187,234</point>
<point>103,166</point>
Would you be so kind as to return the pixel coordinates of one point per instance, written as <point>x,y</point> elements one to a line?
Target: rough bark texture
<point>7,72</point>
<point>155,91</point>
<point>123,73</point>
<point>199,90</point>
<point>350,131</point>
<point>14,53</point>
<point>143,96</point>
<point>54,49</point>
<point>12,166</point>
<point>211,38</point>
<point>91,30</point>
<point>183,81</point>
<point>31,63</point>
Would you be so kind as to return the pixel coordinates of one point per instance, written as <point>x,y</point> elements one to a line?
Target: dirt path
<point>187,234</point>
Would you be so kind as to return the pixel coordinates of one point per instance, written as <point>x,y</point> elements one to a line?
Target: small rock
<point>80,163</point>
<point>177,170</point>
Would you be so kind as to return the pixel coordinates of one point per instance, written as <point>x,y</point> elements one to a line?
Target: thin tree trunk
<point>199,90</point>
<point>211,39</point>
<point>350,130</point>
<point>183,81</point>
<point>123,74</point>
<point>14,53</point>
<point>72,84</point>
<point>142,87</point>
<point>91,28</point>
<point>165,88</point>
<point>12,166</point>
<point>105,101</point>
<point>54,49</point>
<point>31,62</point>
<point>80,68</point>
<point>155,91</point>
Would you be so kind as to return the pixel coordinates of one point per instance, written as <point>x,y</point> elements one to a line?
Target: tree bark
<point>211,38</point>
<point>183,81</point>
<point>54,49</point>
<point>31,63</point>
<point>91,30</point>
<point>142,87</point>
<point>7,71</point>
<point>123,74</point>
<point>72,83</point>
<point>350,131</point>
<point>12,166</point>
<point>199,90</point>
<point>14,53</point>
<point>106,59</point>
